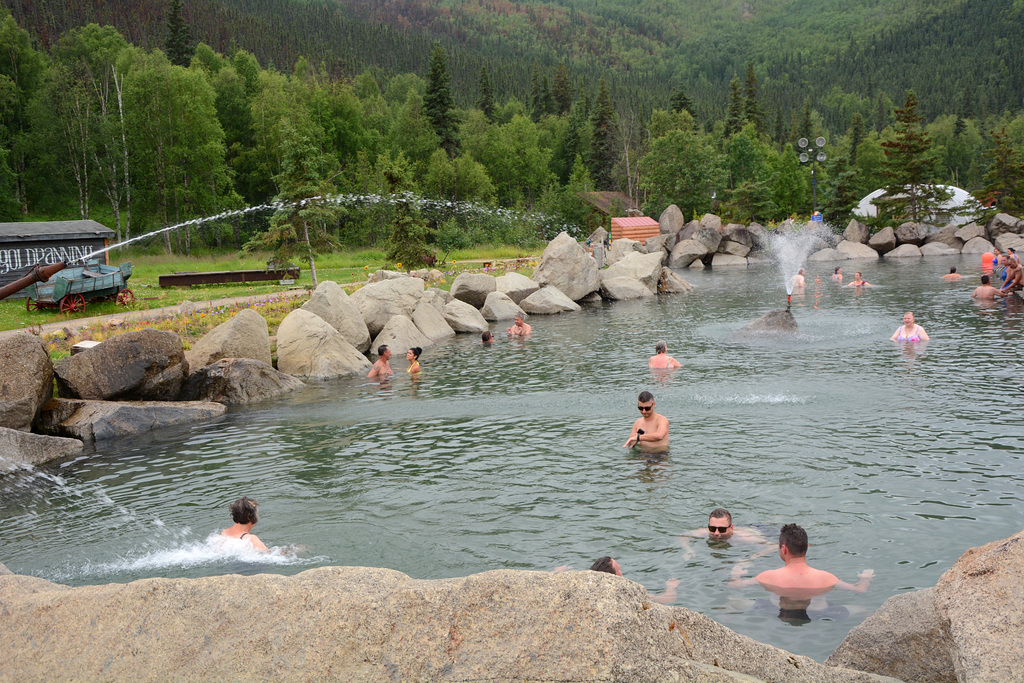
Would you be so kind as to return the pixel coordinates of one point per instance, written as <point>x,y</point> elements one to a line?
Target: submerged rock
<point>779,320</point>
<point>234,381</point>
<point>24,448</point>
<point>95,420</point>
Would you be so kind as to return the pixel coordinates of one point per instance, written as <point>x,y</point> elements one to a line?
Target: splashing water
<point>791,247</point>
<point>452,208</point>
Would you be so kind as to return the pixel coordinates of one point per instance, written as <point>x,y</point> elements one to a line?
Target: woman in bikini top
<point>909,330</point>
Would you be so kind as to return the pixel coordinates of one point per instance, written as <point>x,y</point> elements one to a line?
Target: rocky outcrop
<point>903,639</point>
<point>462,317</point>
<point>473,288</point>
<point>400,335</point>
<point>855,250</point>
<point>310,348</point>
<point>938,249</point>
<point>24,448</point>
<point>566,266</point>
<point>904,251</point>
<point>911,233</point>
<point>946,236</point>
<point>643,267</point>
<point>856,232</point>
<point>670,283</point>
<point>733,248</point>
<point>883,241</point>
<point>709,237</point>
<point>671,220</point>
<point>1008,240</point>
<point>331,303</point>
<point>779,320</point>
<point>970,231</point>
<point>976,245</point>
<point>710,220</point>
<point>1003,223</point>
<point>548,301</point>
<point>499,306</point>
<point>623,288</point>
<point>598,236</point>
<point>379,302</point>
<point>98,420</point>
<point>438,298</point>
<point>236,381</point>
<point>658,245</point>
<point>826,255</point>
<point>430,321</point>
<point>146,365</point>
<point>623,246</point>
<point>244,335</point>
<point>686,252</point>
<point>517,286</point>
<point>759,237</point>
<point>364,624</point>
<point>27,379</point>
<point>687,231</point>
<point>728,261</point>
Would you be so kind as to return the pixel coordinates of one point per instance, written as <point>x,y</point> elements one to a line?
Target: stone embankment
<point>142,380</point>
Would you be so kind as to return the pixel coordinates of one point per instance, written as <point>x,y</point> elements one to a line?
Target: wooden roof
<point>31,231</point>
<point>635,222</point>
<point>602,201</point>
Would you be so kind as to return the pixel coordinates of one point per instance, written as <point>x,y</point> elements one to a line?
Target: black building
<point>22,245</point>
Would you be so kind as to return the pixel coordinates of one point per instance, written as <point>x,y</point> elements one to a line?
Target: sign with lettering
<point>17,257</point>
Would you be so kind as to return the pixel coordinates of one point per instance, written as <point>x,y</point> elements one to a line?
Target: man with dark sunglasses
<point>650,431</point>
<point>721,528</point>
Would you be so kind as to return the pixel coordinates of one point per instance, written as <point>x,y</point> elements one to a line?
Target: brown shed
<point>637,228</point>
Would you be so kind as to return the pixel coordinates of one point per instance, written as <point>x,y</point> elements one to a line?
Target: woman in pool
<point>245,512</point>
<point>838,275</point>
<point>909,330</point>
<point>413,356</point>
<point>858,281</point>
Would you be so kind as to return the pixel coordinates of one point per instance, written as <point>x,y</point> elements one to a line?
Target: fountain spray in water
<point>790,246</point>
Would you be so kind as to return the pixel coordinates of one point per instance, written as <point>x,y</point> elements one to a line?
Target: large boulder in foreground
<point>856,250</point>
<point>24,448</point>
<point>622,247</point>
<point>243,335</point>
<point>904,251</point>
<point>883,241</point>
<point>400,335</point>
<point>979,603</point>
<point>145,365</point>
<point>235,381</point>
<point>670,283</point>
<point>568,267</point>
<point>1003,223</point>
<point>856,232</point>
<point>430,321</point>
<point>636,266</point>
<point>380,301</point>
<point>623,288</point>
<point>1004,242</point>
<point>310,348</point>
<point>473,288</point>
<point>911,233</point>
<point>331,303</point>
<point>548,301</point>
<point>976,245</point>
<point>970,231</point>
<point>462,317</point>
<point>516,285</point>
<point>686,252</point>
<point>379,625</point>
<point>671,220</point>
<point>499,306</point>
<point>26,383</point>
<point>902,639</point>
<point>779,320</point>
<point>938,249</point>
<point>97,420</point>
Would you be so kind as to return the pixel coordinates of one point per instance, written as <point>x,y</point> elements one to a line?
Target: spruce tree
<point>840,190</point>
<point>781,134</point>
<point>536,94</point>
<point>438,102</point>
<point>806,122</point>
<point>486,101</point>
<point>178,44</point>
<point>856,136</point>
<point>547,100</point>
<point>734,118</point>
<point>604,143</point>
<point>910,168</point>
<point>881,114</point>
<point>680,102</point>
<point>1004,182</point>
<point>561,91</point>
<point>752,109</point>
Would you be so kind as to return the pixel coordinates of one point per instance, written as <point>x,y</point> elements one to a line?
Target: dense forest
<point>149,113</point>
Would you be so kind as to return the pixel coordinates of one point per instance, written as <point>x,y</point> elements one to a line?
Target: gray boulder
<point>685,253</point>
<point>978,605</point>
<point>779,320</point>
<point>430,321</point>
<point>902,639</point>
<point>709,237</point>
<point>310,348</point>
<point>738,233</point>
<point>236,381</point>
<point>643,267</point>
<point>1003,223</point>
<point>144,365</point>
<point>883,241</point>
<point>27,379</point>
<point>623,246</point>
<point>243,335</point>
<point>593,298</point>
<point>464,318</point>
<point>700,264</point>
<point>18,448</point>
<point>759,237</point>
<point>379,302</point>
<point>970,231</point>
<point>671,220</point>
<point>937,249</point>
<point>976,245</point>
<point>499,306</point>
<point>728,261</point>
<point>687,231</point>
<point>710,220</point>
<point>911,233</point>
<point>473,288</point>
<point>856,250</point>
<point>438,298</point>
<point>1006,241</point>
<point>832,239</point>
<point>331,303</point>
<point>658,244</point>
<point>671,283</point>
<point>566,266</point>
<point>904,251</point>
<point>98,420</point>
<point>734,248</point>
<point>598,236</point>
<point>623,288</point>
<point>400,335</point>
<point>516,285</point>
<point>826,255</point>
<point>548,301</point>
<point>946,236</point>
<point>856,232</point>
<point>377,625</point>
<point>382,275</point>
<point>4,571</point>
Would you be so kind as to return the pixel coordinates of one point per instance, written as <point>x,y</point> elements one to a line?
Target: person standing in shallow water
<point>909,331</point>
<point>661,359</point>
<point>651,429</point>
<point>382,368</point>
<point>245,513</point>
<point>837,276</point>
<point>413,356</point>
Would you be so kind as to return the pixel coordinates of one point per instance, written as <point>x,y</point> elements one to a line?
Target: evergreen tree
<point>547,100</point>
<point>752,109</point>
<point>856,136</point>
<point>486,101</point>
<point>881,114</point>
<point>910,169</point>
<point>806,122</point>
<point>604,151</point>
<point>680,102</point>
<point>734,118</point>
<point>840,190</point>
<point>561,91</point>
<point>407,246</point>
<point>178,43</point>
<point>536,94</point>
<point>780,129</point>
<point>1004,182</point>
<point>438,103</point>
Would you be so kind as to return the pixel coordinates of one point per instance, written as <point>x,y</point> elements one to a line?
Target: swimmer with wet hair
<point>608,565</point>
<point>413,356</point>
<point>487,337</point>
<point>245,512</point>
<point>952,274</point>
<point>520,328</point>
<point>986,290</point>
<point>382,368</point>
<point>661,359</point>
<point>651,428</point>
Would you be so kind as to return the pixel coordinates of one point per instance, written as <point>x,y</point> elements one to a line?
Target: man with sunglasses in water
<point>721,528</point>
<point>650,431</point>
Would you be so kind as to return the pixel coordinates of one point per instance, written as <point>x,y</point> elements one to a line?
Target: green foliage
<point>407,246</point>
<point>438,103</point>
<point>910,169</point>
<point>449,237</point>
<point>1004,182</point>
<point>604,143</point>
<point>683,169</point>
<point>486,101</point>
<point>178,43</point>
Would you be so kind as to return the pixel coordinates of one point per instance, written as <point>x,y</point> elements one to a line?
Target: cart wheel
<point>125,297</point>
<point>72,303</point>
<point>32,305</point>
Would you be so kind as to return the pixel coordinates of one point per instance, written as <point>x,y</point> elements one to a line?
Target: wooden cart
<point>71,288</point>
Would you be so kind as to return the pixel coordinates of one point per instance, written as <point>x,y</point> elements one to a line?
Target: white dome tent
<point>958,209</point>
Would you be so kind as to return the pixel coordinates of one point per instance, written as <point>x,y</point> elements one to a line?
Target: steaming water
<point>895,457</point>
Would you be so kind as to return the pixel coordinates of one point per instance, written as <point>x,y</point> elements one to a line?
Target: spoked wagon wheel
<point>32,305</point>
<point>125,297</point>
<point>72,303</point>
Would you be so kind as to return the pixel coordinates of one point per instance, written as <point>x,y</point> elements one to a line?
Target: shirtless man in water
<point>654,434</point>
<point>520,328</point>
<point>798,281</point>
<point>798,580</point>
<point>382,368</point>
<point>721,528</point>
<point>661,359</point>
<point>985,291</point>
<point>245,513</point>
